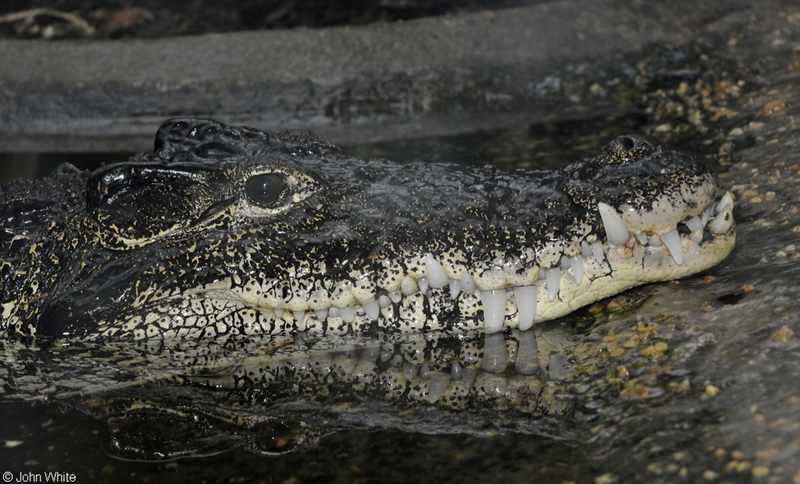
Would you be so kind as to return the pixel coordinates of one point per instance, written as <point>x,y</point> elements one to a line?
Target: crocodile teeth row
<point>720,217</point>
<point>717,218</point>
<point>494,301</point>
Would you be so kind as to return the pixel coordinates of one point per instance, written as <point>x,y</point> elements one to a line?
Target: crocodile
<point>226,231</point>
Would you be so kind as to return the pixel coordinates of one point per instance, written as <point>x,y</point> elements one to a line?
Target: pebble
<point>657,350</point>
<point>607,478</point>
<point>782,334</point>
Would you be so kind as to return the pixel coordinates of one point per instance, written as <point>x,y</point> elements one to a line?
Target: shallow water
<point>693,379</point>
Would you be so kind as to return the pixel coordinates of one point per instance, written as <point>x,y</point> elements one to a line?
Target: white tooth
<point>727,201</point>
<point>435,273</point>
<point>673,242</point>
<point>564,262</point>
<point>333,312</point>
<point>299,315</point>
<point>616,230</point>
<point>347,313</point>
<point>694,223</point>
<point>455,288</point>
<point>577,267</point>
<point>437,385</point>
<point>395,296</point>
<point>423,284</point>
<point>586,251</point>
<point>526,306</point>
<point>553,277</point>
<point>384,301</point>
<point>696,236</point>
<point>655,241</point>
<point>278,312</point>
<point>707,214</point>
<point>597,252</point>
<point>722,222</point>
<point>373,309</point>
<point>322,314</point>
<point>408,286</point>
<point>467,283</point>
<point>642,238</point>
<point>494,310</point>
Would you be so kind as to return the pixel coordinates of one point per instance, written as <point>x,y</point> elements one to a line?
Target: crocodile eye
<point>265,189</point>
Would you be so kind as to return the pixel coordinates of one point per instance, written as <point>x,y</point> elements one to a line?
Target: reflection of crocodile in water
<point>227,230</point>
<point>167,398</point>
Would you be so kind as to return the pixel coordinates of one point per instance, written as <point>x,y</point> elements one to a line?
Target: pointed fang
<point>673,242</point>
<point>494,310</point>
<point>553,277</point>
<point>616,230</point>
<point>526,306</point>
<point>577,268</point>
<point>435,273</point>
<point>373,309</point>
<point>455,288</point>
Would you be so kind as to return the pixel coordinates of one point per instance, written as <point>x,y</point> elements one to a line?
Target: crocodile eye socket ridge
<point>266,189</point>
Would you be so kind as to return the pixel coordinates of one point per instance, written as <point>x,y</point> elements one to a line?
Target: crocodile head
<point>229,230</point>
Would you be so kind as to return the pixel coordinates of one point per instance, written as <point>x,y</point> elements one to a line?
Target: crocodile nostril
<point>626,142</point>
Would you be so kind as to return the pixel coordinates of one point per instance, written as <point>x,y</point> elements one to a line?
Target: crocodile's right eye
<point>266,189</point>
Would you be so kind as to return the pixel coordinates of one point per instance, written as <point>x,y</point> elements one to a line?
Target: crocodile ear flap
<point>136,203</point>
